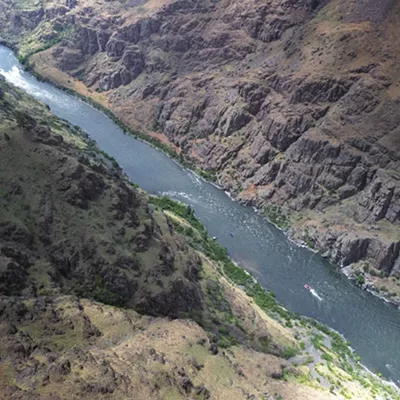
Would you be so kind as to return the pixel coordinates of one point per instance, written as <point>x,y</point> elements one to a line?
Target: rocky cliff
<point>292,103</point>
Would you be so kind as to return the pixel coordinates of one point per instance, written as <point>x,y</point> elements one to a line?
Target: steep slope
<point>70,223</point>
<point>73,227</point>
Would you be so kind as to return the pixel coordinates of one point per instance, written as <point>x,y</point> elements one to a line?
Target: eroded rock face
<point>281,108</point>
<point>347,248</point>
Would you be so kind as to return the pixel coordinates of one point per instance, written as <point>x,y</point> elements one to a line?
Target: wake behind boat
<point>313,292</point>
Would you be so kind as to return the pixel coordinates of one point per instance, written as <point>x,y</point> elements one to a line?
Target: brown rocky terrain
<point>293,103</point>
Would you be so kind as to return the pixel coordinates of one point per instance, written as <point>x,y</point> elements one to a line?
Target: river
<point>371,325</point>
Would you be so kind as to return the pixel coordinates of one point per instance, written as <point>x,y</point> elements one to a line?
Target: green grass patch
<point>180,210</point>
<point>34,44</point>
<point>289,352</point>
<point>317,341</point>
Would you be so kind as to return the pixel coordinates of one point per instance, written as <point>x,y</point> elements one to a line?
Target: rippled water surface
<point>372,326</point>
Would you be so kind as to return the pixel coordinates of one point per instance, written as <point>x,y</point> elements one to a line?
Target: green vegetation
<point>224,340</point>
<point>289,352</point>
<point>373,272</point>
<point>308,360</point>
<point>327,357</point>
<point>317,341</point>
<point>345,393</point>
<point>360,279</point>
<point>207,175</point>
<point>99,292</point>
<point>179,209</point>
<point>96,151</point>
<point>198,238</point>
<point>277,216</point>
<point>308,240</point>
<point>32,44</point>
<point>366,267</point>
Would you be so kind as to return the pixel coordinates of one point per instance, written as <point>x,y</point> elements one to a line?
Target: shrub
<point>327,357</point>
<point>100,293</point>
<point>226,341</point>
<point>207,175</point>
<point>360,279</point>
<point>289,352</point>
<point>105,296</point>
